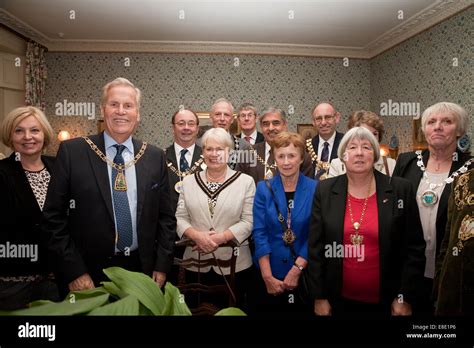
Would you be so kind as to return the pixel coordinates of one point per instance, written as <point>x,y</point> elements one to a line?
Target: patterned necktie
<point>123,217</point>
<point>325,152</point>
<point>183,163</point>
<point>324,158</point>
<point>248,139</point>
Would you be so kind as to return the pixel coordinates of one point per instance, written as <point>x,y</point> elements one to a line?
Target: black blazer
<point>337,141</point>
<point>173,178</point>
<point>401,243</point>
<point>407,168</point>
<point>20,217</point>
<point>260,138</point>
<point>78,213</point>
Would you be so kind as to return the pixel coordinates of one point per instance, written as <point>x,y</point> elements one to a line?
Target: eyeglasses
<point>250,115</point>
<point>319,119</point>
<point>183,123</point>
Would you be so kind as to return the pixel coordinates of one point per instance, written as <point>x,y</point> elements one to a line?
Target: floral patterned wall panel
<point>432,66</point>
<point>436,65</point>
<point>194,80</point>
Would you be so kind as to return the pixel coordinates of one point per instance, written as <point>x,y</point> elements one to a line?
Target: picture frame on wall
<point>418,138</point>
<point>306,130</point>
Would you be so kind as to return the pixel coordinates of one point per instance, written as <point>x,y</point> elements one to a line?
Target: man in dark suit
<point>108,202</point>
<point>183,157</point>
<point>272,122</point>
<point>323,147</point>
<point>247,118</point>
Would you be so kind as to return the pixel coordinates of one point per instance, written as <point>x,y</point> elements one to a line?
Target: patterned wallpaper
<point>423,70</point>
<point>418,70</point>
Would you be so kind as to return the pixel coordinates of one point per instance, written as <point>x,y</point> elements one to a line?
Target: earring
<point>464,143</point>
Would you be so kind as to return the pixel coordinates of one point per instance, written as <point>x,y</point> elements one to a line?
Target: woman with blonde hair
<point>24,179</point>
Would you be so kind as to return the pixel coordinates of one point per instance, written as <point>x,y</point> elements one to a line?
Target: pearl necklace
<point>429,197</point>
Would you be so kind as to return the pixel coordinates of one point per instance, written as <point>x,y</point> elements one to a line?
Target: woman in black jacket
<point>24,179</point>
<point>431,173</point>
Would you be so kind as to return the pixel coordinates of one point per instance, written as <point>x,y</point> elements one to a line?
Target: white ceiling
<point>356,28</point>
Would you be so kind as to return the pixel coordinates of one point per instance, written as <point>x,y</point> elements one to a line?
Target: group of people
<point>325,226</point>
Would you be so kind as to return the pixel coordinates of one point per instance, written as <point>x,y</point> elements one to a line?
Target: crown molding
<point>421,21</point>
<point>206,47</point>
<point>439,11</point>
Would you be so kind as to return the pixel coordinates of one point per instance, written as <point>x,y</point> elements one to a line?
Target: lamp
<point>384,151</point>
<point>64,135</point>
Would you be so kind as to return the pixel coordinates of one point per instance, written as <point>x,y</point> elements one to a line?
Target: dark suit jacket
<point>337,141</point>
<point>173,178</point>
<point>20,217</point>
<point>257,172</point>
<point>407,168</point>
<point>78,214</point>
<point>401,243</point>
<point>260,137</point>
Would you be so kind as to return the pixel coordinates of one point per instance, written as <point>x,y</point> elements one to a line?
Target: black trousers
<point>129,262</point>
<point>16,295</point>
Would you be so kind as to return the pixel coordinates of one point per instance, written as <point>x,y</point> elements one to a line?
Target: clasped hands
<point>208,241</point>
<point>290,282</point>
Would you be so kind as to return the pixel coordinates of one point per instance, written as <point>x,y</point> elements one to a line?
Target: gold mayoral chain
<point>120,183</point>
<point>319,165</point>
<point>357,239</point>
<point>178,187</point>
<point>268,167</point>
<point>430,197</point>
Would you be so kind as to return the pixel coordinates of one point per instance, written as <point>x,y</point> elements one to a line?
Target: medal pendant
<point>429,198</point>
<point>268,174</point>
<point>120,183</point>
<point>356,226</point>
<point>356,239</point>
<point>289,236</point>
<point>178,187</point>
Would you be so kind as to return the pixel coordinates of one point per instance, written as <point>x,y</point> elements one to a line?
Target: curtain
<point>35,75</point>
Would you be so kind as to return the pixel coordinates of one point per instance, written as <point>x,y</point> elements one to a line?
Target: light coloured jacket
<point>233,211</point>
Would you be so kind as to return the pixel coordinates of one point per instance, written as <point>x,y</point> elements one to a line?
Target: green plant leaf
<point>230,311</point>
<point>114,289</point>
<point>126,306</point>
<point>139,285</point>
<point>142,310</point>
<point>66,307</point>
<point>174,301</point>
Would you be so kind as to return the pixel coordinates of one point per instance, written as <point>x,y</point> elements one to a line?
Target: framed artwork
<point>306,130</point>
<point>419,141</point>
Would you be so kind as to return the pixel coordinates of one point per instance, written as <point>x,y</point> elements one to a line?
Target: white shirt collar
<point>330,141</point>
<point>178,148</point>
<point>253,136</point>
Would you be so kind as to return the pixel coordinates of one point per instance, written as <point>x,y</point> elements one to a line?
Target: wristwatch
<point>301,268</point>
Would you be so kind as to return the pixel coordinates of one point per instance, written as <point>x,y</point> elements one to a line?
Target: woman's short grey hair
<point>360,133</point>
<point>456,110</point>
<point>219,135</point>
